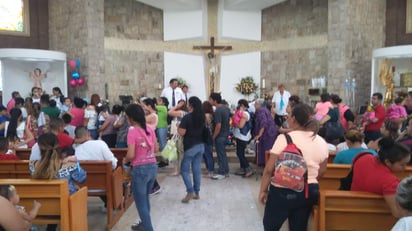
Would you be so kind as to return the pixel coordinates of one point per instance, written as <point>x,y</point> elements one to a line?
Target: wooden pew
<point>101,181</point>
<point>347,210</point>
<point>334,172</point>
<point>14,169</point>
<point>57,205</point>
<point>23,153</point>
<point>331,157</point>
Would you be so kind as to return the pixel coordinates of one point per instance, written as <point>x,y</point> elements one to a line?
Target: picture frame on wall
<point>14,17</point>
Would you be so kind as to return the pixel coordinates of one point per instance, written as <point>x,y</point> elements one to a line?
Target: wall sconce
<point>263,85</point>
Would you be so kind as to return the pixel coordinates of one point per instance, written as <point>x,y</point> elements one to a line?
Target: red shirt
<point>64,140</point>
<point>370,175</point>
<point>8,157</point>
<point>380,113</point>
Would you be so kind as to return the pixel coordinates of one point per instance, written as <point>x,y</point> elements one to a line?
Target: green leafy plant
<point>247,86</point>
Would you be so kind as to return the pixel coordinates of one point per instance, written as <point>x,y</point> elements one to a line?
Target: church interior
<point>130,49</point>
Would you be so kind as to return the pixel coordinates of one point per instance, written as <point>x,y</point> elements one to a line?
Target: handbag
<point>169,152</point>
<point>346,182</point>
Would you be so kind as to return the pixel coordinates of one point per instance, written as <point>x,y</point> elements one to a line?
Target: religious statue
<point>386,77</point>
<point>37,77</point>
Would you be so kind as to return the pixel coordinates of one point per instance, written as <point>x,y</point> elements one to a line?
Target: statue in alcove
<point>386,77</point>
<point>37,76</point>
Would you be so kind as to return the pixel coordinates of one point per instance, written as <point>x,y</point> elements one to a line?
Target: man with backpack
<point>242,133</point>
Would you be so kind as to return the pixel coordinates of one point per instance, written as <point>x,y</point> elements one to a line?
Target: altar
<point>399,58</point>
<point>18,68</point>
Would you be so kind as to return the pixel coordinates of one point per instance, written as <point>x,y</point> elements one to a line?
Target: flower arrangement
<point>180,81</point>
<point>247,86</point>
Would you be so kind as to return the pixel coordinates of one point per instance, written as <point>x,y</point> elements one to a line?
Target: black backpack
<point>346,182</point>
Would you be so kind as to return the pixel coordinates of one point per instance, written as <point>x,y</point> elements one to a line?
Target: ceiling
<point>235,5</point>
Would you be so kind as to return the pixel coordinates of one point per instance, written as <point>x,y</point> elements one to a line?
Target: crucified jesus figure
<point>37,77</point>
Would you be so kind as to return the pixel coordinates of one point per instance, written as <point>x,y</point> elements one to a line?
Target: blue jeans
<point>192,157</point>
<point>240,152</point>
<point>220,145</point>
<point>161,134</point>
<point>285,204</point>
<point>94,134</point>
<point>208,157</point>
<point>143,177</point>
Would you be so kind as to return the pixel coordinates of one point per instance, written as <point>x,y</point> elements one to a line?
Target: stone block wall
<point>71,32</point>
<point>355,29</point>
<point>133,72</point>
<point>294,66</point>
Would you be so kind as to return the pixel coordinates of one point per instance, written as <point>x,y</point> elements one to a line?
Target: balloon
<point>80,81</point>
<point>72,64</point>
<point>75,75</point>
<point>77,63</point>
<point>73,83</point>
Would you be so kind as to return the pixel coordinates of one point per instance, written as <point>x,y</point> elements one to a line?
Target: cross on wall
<point>213,74</point>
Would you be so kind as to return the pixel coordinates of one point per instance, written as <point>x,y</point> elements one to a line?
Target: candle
<point>263,83</point>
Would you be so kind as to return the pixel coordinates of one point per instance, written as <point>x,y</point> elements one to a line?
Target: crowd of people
<point>61,131</point>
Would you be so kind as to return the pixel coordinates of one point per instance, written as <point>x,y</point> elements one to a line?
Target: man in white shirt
<point>280,101</point>
<point>89,149</point>
<point>185,91</point>
<point>173,93</point>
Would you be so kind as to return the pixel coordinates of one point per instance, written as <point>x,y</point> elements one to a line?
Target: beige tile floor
<point>229,204</point>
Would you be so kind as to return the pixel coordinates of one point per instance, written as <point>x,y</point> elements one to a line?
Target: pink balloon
<point>80,81</point>
<point>73,83</point>
<point>72,64</point>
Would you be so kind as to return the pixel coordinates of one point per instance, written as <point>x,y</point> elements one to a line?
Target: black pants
<point>285,204</point>
<point>279,120</point>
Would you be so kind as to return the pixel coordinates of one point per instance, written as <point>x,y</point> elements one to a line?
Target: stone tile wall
<point>355,29</point>
<point>294,66</point>
<point>76,28</point>
<point>133,72</point>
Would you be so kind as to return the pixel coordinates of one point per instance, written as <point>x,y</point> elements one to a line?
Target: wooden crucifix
<point>212,74</point>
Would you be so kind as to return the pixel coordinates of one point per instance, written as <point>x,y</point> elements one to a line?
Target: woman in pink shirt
<point>141,140</point>
<point>77,112</point>
<point>323,106</point>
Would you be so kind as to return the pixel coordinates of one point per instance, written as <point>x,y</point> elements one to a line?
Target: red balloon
<point>80,81</point>
<point>73,83</point>
<point>72,64</point>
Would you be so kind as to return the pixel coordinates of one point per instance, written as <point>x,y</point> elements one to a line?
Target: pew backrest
<point>54,198</point>
<point>348,210</point>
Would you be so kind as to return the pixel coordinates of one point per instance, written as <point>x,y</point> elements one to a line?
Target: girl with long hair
<point>17,133</point>
<point>191,129</point>
<point>141,142</point>
<point>54,165</point>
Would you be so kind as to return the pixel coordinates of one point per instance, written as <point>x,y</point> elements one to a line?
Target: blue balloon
<point>77,63</point>
<point>75,75</point>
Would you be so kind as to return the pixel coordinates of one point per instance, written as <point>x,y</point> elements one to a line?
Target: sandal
<point>249,174</point>
<point>173,174</point>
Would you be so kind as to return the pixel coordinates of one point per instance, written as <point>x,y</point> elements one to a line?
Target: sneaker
<point>162,164</point>
<point>138,226</point>
<point>188,197</point>
<point>155,191</point>
<point>218,177</point>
